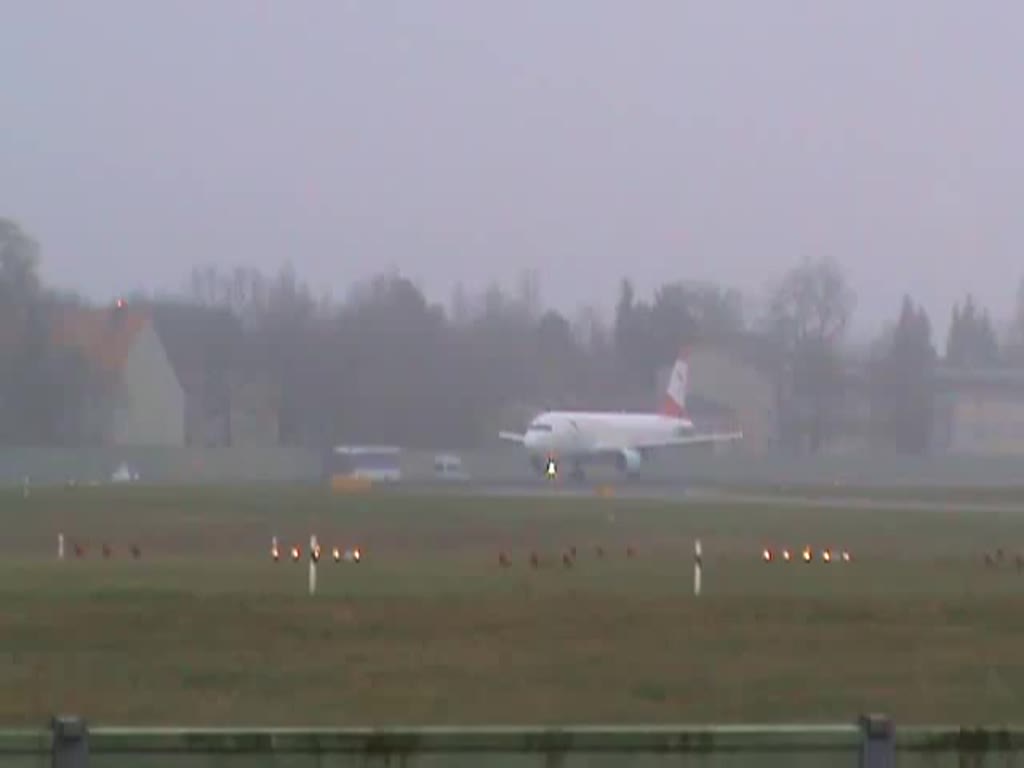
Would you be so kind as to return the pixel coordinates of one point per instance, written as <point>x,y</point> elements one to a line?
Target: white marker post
<point>697,567</point>
<point>60,546</point>
<point>312,564</point>
<point>25,486</point>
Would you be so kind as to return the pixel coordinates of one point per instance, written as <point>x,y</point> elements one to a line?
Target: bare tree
<point>808,317</point>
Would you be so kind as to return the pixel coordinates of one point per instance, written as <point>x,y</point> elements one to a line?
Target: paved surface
<point>661,490</point>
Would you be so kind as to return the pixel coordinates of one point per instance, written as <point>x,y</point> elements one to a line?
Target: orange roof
<point>105,336</point>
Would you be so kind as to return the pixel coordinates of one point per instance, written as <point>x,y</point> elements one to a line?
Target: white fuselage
<point>577,434</point>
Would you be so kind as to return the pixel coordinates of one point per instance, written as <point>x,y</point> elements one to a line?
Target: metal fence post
<point>878,745</point>
<point>70,743</point>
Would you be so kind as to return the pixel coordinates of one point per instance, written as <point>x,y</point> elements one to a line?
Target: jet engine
<point>629,460</point>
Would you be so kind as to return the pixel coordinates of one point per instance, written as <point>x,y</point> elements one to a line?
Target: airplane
<point>581,437</point>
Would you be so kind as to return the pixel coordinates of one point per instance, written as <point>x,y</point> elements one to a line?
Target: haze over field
<point>469,141</point>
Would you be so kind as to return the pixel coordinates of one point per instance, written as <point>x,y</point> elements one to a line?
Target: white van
<point>448,466</point>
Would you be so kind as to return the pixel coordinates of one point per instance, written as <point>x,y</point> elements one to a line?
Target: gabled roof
<point>196,340</point>
<point>104,336</point>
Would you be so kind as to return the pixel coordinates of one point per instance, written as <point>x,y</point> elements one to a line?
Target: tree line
<point>388,365</point>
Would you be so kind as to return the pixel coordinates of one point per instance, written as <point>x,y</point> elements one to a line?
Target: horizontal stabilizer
<point>513,437</point>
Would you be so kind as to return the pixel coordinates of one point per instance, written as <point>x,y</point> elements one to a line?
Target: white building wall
<point>987,423</point>
<point>151,410</point>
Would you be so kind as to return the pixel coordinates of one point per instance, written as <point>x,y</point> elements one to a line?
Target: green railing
<point>871,743</point>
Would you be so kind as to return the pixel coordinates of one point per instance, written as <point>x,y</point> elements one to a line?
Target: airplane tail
<point>674,402</point>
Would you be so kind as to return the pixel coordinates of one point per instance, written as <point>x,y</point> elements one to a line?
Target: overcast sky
<point>468,140</point>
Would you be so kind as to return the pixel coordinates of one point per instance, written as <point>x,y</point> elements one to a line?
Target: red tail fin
<point>674,402</point>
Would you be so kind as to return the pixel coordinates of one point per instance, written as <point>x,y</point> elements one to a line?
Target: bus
<point>364,462</point>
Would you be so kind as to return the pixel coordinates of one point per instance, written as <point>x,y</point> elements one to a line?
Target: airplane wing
<point>512,437</point>
<point>695,439</point>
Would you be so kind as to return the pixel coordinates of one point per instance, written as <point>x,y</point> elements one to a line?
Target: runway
<point>695,494</point>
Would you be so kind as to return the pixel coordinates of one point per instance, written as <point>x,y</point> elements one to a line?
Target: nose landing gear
<point>549,468</point>
<point>543,467</point>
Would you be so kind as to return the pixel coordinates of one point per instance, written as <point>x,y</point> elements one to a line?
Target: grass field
<point>204,628</point>
<point>981,495</point>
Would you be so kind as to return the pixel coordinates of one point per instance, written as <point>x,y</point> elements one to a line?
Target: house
<point>198,347</point>
<point>731,386</point>
<point>173,376</point>
<point>146,404</point>
<point>228,399</point>
<point>979,411</point>
<point>735,383</point>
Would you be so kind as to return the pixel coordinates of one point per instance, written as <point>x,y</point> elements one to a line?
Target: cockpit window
<point>539,427</point>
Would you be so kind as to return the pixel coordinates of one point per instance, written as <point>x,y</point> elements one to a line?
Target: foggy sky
<point>468,140</point>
